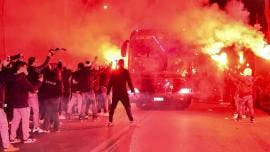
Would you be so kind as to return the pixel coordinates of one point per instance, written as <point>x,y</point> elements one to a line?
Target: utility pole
<point>267,14</point>
<point>3,32</point>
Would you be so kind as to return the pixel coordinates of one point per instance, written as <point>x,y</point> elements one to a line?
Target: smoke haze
<point>84,26</point>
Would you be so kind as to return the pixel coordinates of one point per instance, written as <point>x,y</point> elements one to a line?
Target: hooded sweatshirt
<point>20,87</point>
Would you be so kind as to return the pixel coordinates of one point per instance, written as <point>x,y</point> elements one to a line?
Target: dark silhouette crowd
<point>34,97</point>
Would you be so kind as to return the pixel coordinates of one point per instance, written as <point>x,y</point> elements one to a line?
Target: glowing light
<point>185,91</point>
<point>105,7</point>
<point>241,57</point>
<point>112,53</point>
<point>158,99</point>
<point>215,31</point>
<point>221,59</point>
<point>184,73</point>
<point>214,48</point>
<point>264,52</point>
<point>194,71</point>
<point>247,72</point>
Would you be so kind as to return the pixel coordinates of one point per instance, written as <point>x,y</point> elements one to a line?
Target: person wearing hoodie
<point>21,87</point>
<point>52,92</point>
<point>88,79</point>
<point>76,91</point>
<point>118,81</point>
<point>34,72</point>
<point>7,147</point>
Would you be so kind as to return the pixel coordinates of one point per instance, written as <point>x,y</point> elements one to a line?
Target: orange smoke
<point>221,59</point>
<point>111,54</point>
<point>211,30</point>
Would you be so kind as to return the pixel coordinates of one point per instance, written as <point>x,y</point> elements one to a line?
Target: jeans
<point>18,115</point>
<point>33,103</point>
<point>76,98</point>
<point>243,102</point>
<point>51,113</point>
<point>4,129</point>
<point>89,98</point>
<point>64,104</point>
<point>103,101</point>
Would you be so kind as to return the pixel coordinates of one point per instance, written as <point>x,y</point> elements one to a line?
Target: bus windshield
<point>156,54</point>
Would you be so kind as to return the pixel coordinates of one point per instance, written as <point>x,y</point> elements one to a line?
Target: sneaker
<point>29,140</point>
<point>46,131</point>
<point>62,117</point>
<point>11,148</point>
<point>235,115</point>
<point>132,123</point>
<point>106,114</point>
<point>41,121</point>
<point>14,141</point>
<point>252,119</point>
<point>81,117</point>
<point>110,124</point>
<point>96,118</point>
<point>38,130</point>
<point>239,118</point>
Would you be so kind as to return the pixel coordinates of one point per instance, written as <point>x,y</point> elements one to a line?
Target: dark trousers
<point>51,113</point>
<point>63,104</point>
<point>125,102</point>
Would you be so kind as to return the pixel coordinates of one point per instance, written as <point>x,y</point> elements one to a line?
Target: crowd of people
<point>50,91</point>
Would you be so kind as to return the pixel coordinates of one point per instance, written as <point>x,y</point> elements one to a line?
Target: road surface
<point>202,127</point>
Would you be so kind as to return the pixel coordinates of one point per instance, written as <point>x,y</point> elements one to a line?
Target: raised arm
<point>45,64</point>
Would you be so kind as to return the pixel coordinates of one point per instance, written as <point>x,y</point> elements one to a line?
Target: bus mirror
<point>124,48</point>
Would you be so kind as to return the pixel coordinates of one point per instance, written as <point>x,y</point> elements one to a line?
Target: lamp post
<point>3,32</point>
<point>267,14</point>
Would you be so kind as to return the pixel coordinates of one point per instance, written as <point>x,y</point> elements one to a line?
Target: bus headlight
<point>185,91</point>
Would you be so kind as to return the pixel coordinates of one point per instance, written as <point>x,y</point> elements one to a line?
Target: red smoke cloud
<point>83,26</point>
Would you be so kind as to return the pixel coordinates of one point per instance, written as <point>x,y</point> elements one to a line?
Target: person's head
<point>60,65</point>
<point>8,58</point>
<point>20,67</point>
<point>87,63</point>
<point>121,63</point>
<point>31,61</point>
<point>80,65</point>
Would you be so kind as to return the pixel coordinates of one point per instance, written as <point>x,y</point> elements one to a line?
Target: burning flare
<point>111,53</point>
<point>212,30</point>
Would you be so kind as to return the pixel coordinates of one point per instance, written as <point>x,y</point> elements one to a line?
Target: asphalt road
<point>201,127</point>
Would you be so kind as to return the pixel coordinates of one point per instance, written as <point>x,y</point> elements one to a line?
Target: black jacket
<point>76,81</point>
<point>66,74</point>
<point>118,81</point>
<point>20,87</point>
<point>104,77</point>
<point>2,89</point>
<point>87,79</point>
<point>34,72</point>
<point>52,85</point>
